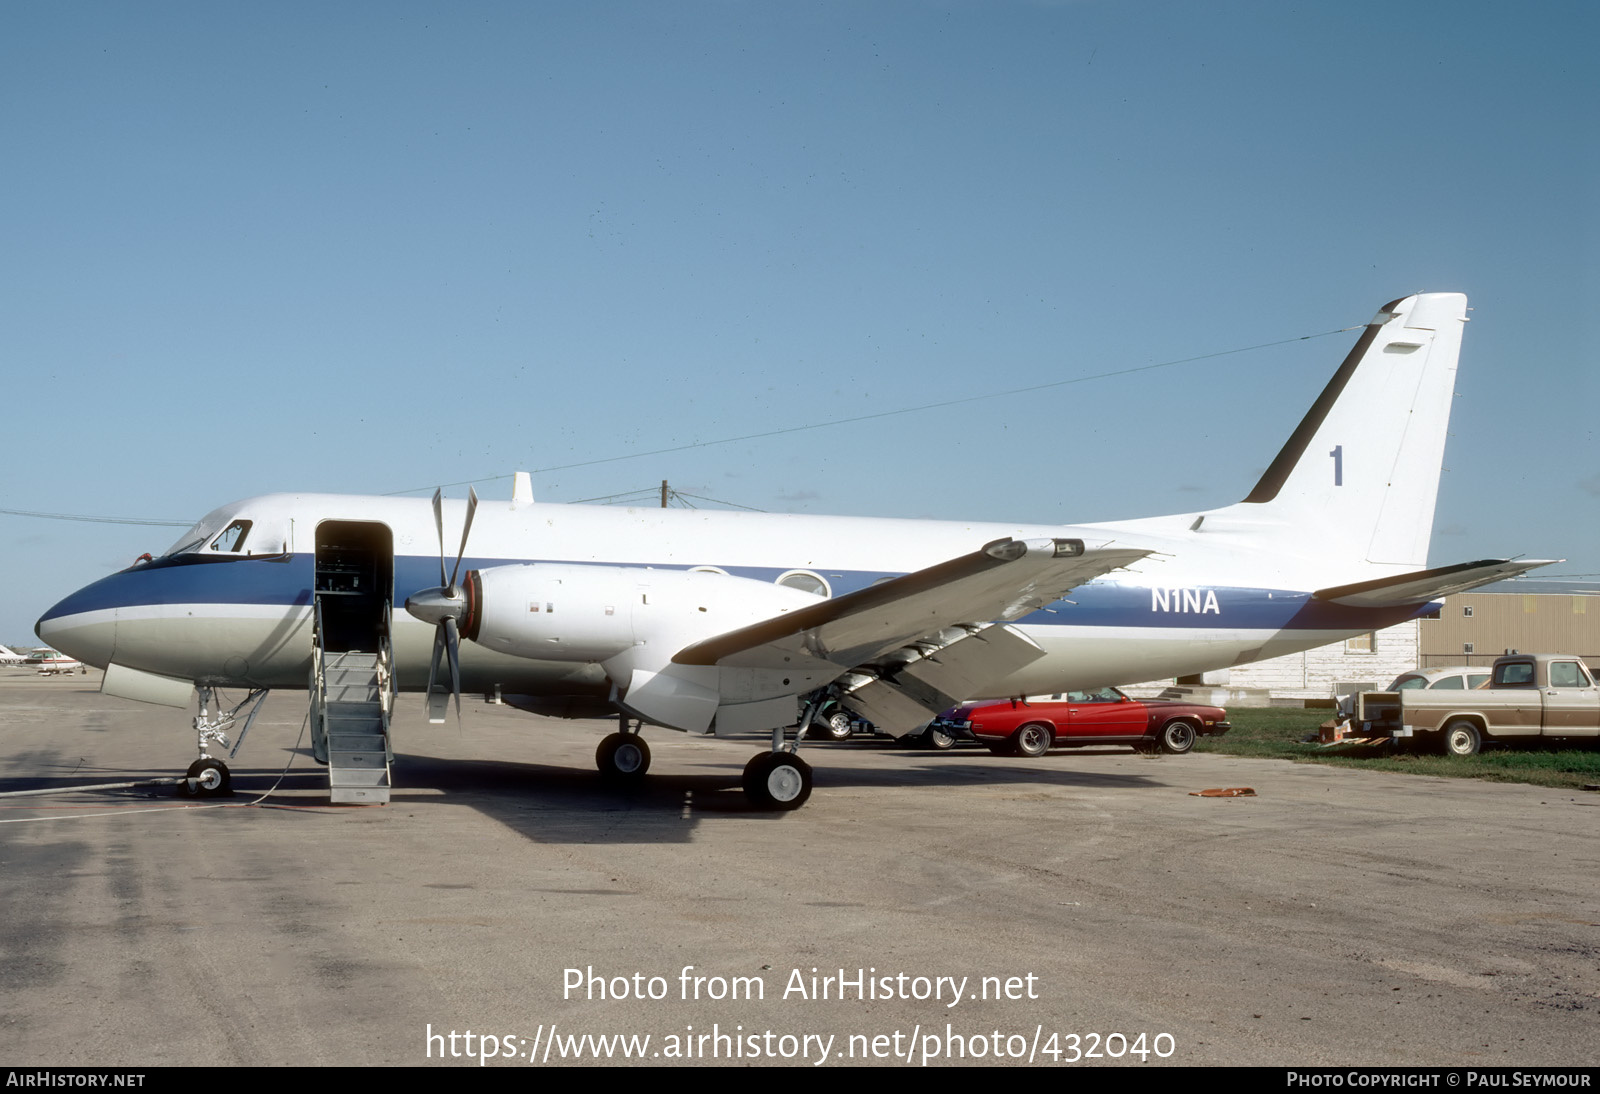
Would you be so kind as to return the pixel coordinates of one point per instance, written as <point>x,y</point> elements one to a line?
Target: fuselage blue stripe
<point>287,580</point>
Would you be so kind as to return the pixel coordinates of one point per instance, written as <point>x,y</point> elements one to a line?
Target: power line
<point>640,494</point>
<point>716,501</point>
<point>962,400</point>
<point>148,522</point>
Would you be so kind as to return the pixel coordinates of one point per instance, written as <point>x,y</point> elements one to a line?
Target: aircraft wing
<point>1421,586</point>
<point>1003,580</point>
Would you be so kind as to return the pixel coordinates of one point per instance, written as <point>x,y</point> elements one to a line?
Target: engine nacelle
<point>554,611</point>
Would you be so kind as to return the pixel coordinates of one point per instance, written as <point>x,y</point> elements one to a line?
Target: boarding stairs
<point>351,700</point>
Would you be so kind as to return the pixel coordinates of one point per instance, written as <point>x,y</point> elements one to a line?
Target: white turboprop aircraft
<point>737,623</point>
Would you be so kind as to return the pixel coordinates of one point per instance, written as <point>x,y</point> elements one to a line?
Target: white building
<point>1368,661</point>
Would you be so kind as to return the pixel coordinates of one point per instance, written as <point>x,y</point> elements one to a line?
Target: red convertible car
<point>1104,716</point>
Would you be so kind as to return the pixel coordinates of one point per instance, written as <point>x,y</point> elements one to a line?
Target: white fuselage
<point>242,617</point>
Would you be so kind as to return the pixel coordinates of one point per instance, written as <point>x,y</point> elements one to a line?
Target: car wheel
<point>1462,738</point>
<point>836,726</point>
<point>1032,739</point>
<point>939,739</point>
<point>1177,737</point>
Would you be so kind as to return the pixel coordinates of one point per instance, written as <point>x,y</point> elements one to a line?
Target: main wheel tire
<point>622,756</point>
<point>939,739</point>
<point>777,780</point>
<point>207,778</point>
<point>1177,737</point>
<point>1462,738</point>
<point>1032,739</point>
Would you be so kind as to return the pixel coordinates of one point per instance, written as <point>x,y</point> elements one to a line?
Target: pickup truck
<point>1527,697</point>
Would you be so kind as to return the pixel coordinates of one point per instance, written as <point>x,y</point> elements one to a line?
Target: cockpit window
<point>190,542</point>
<point>232,538</point>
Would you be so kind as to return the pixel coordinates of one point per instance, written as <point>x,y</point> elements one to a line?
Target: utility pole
<point>664,493</point>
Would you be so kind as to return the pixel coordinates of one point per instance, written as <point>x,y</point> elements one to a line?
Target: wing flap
<point>1421,586</point>
<point>909,694</point>
<point>1002,581</point>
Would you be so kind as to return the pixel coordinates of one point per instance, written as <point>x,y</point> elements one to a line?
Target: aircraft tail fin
<point>1359,476</point>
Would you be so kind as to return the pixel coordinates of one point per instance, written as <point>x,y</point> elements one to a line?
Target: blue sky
<point>367,247</point>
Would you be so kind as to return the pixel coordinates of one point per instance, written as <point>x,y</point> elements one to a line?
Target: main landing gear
<point>778,779</point>
<point>623,756</point>
<point>208,777</point>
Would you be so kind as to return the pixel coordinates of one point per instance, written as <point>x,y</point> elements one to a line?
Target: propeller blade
<point>435,705</point>
<point>438,522</point>
<point>441,606</point>
<point>452,641</point>
<point>472,507</point>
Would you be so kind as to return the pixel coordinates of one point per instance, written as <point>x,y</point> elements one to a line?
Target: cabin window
<point>806,582</point>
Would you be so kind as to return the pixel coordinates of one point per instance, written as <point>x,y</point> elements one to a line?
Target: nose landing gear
<point>208,777</point>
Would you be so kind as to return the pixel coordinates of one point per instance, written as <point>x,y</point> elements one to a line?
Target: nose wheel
<point>207,778</point>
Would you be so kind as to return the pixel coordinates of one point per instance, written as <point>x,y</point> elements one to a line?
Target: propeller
<point>444,606</point>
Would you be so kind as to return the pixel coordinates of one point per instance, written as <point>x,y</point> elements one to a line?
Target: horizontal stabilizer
<point>1001,581</point>
<point>1421,586</point>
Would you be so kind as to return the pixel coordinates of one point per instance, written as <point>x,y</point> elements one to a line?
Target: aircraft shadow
<point>548,803</point>
<point>555,804</point>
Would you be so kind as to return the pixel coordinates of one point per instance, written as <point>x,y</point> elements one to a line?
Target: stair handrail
<point>318,683</point>
<point>386,681</point>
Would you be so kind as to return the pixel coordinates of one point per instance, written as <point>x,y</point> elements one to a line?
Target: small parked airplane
<point>739,623</point>
<point>9,656</point>
<point>51,663</point>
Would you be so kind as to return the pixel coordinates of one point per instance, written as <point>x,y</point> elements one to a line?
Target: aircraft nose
<point>83,625</point>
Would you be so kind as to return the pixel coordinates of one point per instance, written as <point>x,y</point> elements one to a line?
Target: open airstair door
<point>352,671</point>
<point>355,582</point>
